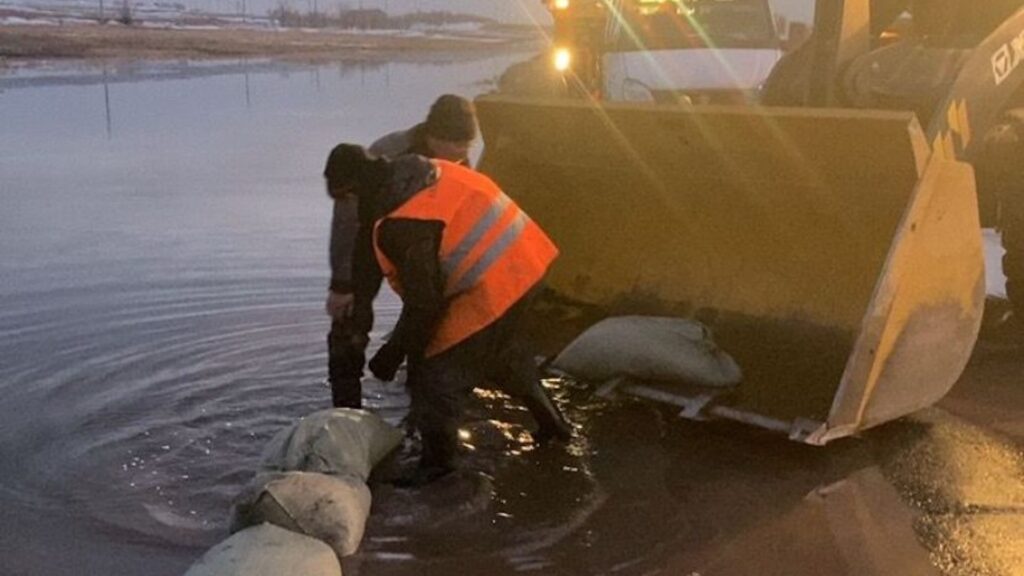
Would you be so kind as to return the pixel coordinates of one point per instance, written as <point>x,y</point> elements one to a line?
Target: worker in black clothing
<point>467,262</point>
<point>447,133</point>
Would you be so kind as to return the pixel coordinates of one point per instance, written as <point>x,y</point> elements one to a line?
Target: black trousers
<point>440,385</point>
<point>346,354</point>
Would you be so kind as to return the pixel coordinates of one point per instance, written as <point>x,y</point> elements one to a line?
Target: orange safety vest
<point>491,252</point>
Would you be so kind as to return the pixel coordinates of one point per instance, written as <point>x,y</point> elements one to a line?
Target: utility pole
<point>101,10</point>
<point>245,72</point>
<point>106,102</point>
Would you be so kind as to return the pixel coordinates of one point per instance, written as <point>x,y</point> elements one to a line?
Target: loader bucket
<point>832,255</point>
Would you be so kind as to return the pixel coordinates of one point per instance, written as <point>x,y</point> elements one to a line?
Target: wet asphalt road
<point>642,492</point>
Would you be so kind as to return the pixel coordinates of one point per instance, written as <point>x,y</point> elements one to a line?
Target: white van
<point>692,51</point>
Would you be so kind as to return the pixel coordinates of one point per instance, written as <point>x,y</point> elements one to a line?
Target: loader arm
<point>986,84</point>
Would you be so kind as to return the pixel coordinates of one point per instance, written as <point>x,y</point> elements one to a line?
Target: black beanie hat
<point>452,118</point>
<point>347,163</point>
<point>350,163</point>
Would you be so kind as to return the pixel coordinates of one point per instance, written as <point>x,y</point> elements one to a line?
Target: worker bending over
<point>447,133</point>
<point>467,262</point>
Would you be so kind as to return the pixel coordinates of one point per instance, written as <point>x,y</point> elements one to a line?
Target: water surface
<point>163,265</point>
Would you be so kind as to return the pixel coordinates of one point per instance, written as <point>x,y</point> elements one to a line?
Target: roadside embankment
<point>42,41</point>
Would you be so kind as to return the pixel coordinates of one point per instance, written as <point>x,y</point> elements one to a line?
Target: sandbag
<point>648,348</point>
<point>332,509</point>
<point>340,441</point>
<point>267,550</point>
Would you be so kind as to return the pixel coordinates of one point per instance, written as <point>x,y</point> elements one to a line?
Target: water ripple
<point>156,401</point>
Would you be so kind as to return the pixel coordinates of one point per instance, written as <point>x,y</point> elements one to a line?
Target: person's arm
<point>412,245</point>
<point>366,279</point>
<point>344,229</point>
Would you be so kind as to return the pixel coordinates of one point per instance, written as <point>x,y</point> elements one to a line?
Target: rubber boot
<point>346,393</point>
<point>550,422</point>
<point>345,360</point>
<point>439,456</point>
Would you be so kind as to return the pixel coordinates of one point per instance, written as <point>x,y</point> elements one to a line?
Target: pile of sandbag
<point>312,484</point>
<point>648,348</point>
<point>267,550</point>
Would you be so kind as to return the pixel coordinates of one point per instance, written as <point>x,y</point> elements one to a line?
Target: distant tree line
<point>369,19</point>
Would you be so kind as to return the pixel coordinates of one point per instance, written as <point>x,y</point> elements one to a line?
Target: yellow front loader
<point>835,252</point>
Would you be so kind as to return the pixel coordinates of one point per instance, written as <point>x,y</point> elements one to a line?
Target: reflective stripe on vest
<point>495,251</point>
<point>491,252</point>
<point>482,226</point>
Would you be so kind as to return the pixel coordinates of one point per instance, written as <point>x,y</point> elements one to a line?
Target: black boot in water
<point>551,425</point>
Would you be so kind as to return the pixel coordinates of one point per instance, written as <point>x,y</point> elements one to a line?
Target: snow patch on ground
<point>18,21</point>
<point>172,26</point>
<point>460,27</point>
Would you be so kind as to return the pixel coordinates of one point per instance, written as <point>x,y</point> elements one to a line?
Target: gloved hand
<point>339,304</point>
<point>386,361</point>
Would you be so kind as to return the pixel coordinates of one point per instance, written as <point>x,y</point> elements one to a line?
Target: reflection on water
<point>156,155</point>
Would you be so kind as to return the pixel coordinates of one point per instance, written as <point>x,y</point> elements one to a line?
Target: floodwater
<point>163,263</point>
<point>163,239</point>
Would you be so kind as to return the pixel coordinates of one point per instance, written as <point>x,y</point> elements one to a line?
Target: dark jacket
<point>413,246</point>
<point>353,266</point>
<point>410,141</point>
